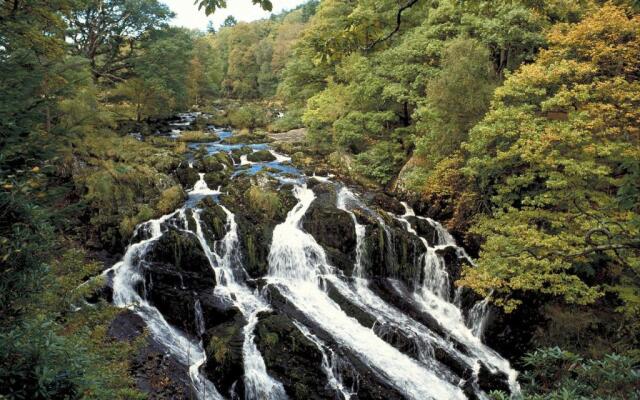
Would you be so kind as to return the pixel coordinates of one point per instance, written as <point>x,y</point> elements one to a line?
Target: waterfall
<point>330,364</point>
<point>296,262</point>
<point>417,344</point>
<point>127,275</point>
<point>226,266</point>
<point>201,189</point>
<point>428,298</point>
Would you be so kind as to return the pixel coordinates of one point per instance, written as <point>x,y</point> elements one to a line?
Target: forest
<point>514,123</point>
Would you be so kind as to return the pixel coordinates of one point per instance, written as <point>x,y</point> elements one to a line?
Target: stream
<point>351,301</point>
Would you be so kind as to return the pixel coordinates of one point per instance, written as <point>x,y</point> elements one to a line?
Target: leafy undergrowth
<point>53,341</point>
<point>123,182</point>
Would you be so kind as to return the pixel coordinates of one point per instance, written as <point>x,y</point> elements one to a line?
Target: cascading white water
<point>329,364</point>
<point>127,275</point>
<point>450,316</point>
<point>435,274</point>
<point>226,266</point>
<point>200,188</point>
<point>477,318</point>
<point>296,262</point>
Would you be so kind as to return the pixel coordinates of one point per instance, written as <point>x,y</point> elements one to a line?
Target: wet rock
<point>213,221</point>
<point>291,358</point>
<point>354,372</point>
<point>364,318</point>
<point>187,176</point>
<point>255,226</point>
<point>126,326</point>
<point>261,156</point>
<point>216,179</point>
<point>156,373</point>
<point>385,202</point>
<point>223,346</point>
<point>424,229</point>
<point>493,381</point>
<point>211,164</point>
<point>183,252</point>
<point>454,264</point>
<point>216,309</point>
<point>333,229</point>
<point>159,375</point>
<point>390,251</point>
<point>175,271</point>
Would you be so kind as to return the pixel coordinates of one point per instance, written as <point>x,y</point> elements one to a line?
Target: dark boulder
<point>223,346</point>
<point>424,229</point>
<point>454,263</point>
<point>216,179</point>
<point>291,358</point>
<point>492,381</point>
<point>187,176</point>
<point>255,227</point>
<point>333,229</point>
<point>390,251</point>
<point>385,202</point>
<point>175,271</point>
<point>183,252</point>
<point>211,164</point>
<point>126,326</point>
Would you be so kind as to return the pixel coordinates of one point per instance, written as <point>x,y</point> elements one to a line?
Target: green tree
<point>556,163</point>
<point>230,21</point>
<point>107,32</point>
<point>457,97</point>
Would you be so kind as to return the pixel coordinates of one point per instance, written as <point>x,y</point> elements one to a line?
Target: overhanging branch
<point>402,9</point>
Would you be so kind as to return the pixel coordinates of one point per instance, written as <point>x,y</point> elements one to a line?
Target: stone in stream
<point>259,204</point>
<point>223,346</point>
<point>187,176</point>
<point>175,271</point>
<point>424,229</point>
<point>392,252</point>
<point>332,228</point>
<point>291,358</point>
<point>261,156</point>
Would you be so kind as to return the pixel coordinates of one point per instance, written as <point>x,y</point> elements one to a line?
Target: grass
<point>195,136</point>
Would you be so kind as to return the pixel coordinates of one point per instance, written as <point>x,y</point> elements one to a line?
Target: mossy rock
<point>258,209</point>
<point>223,346</point>
<point>187,176</point>
<point>215,179</point>
<point>213,221</point>
<point>261,156</point>
<point>291,358</point>
<point>184,253</point>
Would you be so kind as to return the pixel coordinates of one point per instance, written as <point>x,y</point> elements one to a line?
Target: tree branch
<point>402,9</point>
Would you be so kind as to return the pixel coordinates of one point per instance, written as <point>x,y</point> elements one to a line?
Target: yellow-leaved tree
<point>556,162</point>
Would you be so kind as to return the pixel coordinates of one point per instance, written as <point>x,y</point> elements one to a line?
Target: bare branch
<point>397,28</point>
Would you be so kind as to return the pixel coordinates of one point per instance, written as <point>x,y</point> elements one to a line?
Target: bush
<point>292,119</point>
<point>556,374</point>
<point>249,116</point>
<point>380,162</point>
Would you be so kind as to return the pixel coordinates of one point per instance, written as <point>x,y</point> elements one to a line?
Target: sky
<point>188,15</point>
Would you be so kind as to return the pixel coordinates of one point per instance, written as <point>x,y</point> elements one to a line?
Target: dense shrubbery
<point>556,374</point>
